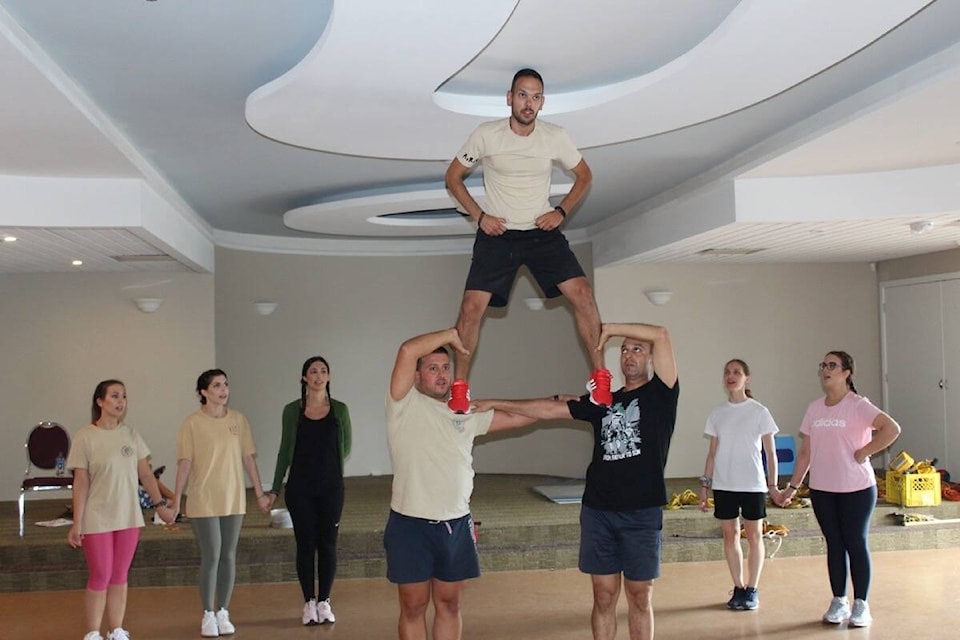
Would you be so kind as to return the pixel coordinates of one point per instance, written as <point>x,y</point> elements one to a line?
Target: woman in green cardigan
<point>314,443</point>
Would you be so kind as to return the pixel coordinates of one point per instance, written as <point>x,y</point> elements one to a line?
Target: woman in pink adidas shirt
<point>840,432</point>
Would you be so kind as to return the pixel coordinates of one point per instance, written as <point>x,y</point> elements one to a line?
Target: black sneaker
<point>736,602</point>
<point>751,599</point>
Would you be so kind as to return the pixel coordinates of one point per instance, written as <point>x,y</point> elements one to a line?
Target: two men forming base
<point>431,549</point>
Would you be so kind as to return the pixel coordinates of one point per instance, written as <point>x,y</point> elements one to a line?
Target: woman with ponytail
<point>314,442</point>
<point>839,433</point>
<point>738,430</point>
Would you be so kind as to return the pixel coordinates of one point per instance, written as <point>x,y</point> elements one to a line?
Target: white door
<point>951,358</point>
<point>914,381</point>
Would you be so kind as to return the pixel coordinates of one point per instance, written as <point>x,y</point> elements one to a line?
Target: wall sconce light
<point>534,304</point>
<point>148,305</point>
<point>265,307</point>
<point>658,297</point>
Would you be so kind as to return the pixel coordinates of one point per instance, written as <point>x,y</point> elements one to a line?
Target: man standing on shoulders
<point>430,538</point>
<point>520,227</point>
<point>621,519</point>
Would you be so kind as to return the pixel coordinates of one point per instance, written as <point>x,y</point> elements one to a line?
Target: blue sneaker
<point>751,599</point>
<point>736,602</point>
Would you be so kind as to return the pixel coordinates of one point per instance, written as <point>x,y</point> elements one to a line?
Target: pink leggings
<point>109,556</point>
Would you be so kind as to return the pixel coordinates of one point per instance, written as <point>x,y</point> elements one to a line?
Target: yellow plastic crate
<point>913,489</point>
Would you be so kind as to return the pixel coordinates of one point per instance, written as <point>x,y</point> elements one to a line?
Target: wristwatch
<point>706,481</point>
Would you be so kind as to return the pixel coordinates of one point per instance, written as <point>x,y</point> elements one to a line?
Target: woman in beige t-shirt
<point>107,458</point>
<point>214,447</point>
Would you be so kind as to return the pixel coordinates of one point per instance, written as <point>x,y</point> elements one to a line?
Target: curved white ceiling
<point>756,51</point>
<point>619,71</point>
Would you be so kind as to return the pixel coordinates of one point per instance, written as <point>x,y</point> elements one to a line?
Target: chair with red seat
<point>47,442</point>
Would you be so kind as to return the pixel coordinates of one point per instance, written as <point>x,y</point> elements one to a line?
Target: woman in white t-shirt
<point>839,433</point>
<point>107,459</point>
<point>738,430</point>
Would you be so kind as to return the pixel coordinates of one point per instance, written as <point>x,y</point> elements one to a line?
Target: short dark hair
<point>525,73</point>
<point>442,350</point>
<point>203,382</point>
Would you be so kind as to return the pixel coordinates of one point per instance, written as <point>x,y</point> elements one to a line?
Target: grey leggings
<point>217,537</point>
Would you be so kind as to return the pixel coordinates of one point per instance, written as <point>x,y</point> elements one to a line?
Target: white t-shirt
<point>431,449</point>
<point>517,169</point>
<point>111,457</point>
<point>738,428</point>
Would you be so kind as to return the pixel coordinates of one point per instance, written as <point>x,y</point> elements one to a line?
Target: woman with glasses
<point>839,434</point>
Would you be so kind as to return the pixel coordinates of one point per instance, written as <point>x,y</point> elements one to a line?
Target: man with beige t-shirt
<point>429,538</point>
<point>520,227</point>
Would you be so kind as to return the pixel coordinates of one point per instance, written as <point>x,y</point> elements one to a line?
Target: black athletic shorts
<point>728,505</point>
<point>496,260</point>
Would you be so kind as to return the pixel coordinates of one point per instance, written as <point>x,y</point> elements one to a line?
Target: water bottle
<point>61,464</point>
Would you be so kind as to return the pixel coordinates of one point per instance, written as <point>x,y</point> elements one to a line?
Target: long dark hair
<point>99,394</point>
<point>303,385</point>
<point>846,364</point>
<point>203,382</point>
<point>746,371</point>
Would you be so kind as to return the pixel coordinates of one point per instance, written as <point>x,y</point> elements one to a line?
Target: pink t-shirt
<point>835,433</point>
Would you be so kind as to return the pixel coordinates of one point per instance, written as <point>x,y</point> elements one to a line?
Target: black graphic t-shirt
<point>631,441</point>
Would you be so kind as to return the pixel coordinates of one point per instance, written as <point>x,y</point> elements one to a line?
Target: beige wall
<point>355,312</point>
<point>63,333</point>
<point>781,319</point>
<point>919,266</point>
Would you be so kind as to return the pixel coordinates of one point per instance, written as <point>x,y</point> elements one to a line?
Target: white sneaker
<point>208,626</point>
<point>224,625</point>
<point>324,612</point>
<point>860,617</point>
<point>93,635</point>
<point>310,613</point>
<point>118,634</point>
<point>838,612</point>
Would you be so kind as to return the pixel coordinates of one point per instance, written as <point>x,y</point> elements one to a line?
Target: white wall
<point>63,333</point>
<point>780,319</point>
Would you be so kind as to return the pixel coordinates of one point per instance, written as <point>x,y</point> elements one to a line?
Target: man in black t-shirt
<point>621,520</point>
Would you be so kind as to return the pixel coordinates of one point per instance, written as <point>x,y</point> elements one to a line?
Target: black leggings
<point>316,522</point>
<point>845,522</point>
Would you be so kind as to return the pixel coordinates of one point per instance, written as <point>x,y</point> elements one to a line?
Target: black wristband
<point>793,487</point>
<point>561,211</point>
<point>480,217</point>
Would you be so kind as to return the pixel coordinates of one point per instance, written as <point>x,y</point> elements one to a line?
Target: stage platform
<point>519,529</point>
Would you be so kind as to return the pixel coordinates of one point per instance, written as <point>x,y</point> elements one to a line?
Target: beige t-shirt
<point>517,169</point>
<point>215,447</point>
<point>432,453</point>
<point>110,457</point>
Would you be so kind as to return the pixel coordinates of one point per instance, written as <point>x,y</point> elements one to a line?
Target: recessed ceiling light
<point>77,263</point>
<point>9,238</point>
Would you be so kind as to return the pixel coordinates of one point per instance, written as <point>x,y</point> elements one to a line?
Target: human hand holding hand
<point>263,502</point>
<point>273,498</point>
<point>167,513</point>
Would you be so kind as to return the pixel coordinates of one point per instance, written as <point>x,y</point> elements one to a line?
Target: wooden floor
<point>915,595</point>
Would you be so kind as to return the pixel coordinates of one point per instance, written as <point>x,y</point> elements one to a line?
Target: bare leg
<point>640,608</point>
<point>732,551</point>
<point>472,308</point>
<point>603,620</point>
<point>754,529</point>
<point>116,605</point>
<point>94,603</point>
<point>586,315</point>
<point>413,610</point>
<point>447,622</point>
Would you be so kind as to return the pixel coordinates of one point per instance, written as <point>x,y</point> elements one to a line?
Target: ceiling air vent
<point>728,251</point>
<point>152,257</point>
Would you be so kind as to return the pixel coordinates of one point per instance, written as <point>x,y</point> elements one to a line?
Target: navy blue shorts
<point>418,549</point>
<point>496,260</point>
<point>625,542</point>
<point>728,505</point>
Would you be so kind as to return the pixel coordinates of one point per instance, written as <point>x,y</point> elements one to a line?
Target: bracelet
<point>706,481</point>
<point>790,486</point>
<point>556,396</point>
<point>480,217</point>
<point>561,211</point>
<point>161,503</point>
